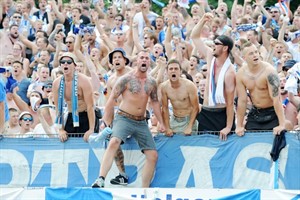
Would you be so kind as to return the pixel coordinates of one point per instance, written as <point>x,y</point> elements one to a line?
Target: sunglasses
<point>68,42</point>
<point>66,62</point>
<point>48,86</point>
<point>274,12</point>
<point>204,70</point>
<point>27,119</point>
<point>17,17</point>
<point>217,43</point>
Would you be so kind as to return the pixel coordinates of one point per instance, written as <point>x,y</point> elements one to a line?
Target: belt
<point>130,116</point>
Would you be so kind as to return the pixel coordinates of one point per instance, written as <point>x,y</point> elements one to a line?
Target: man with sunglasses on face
<point>217,112</point>
<point>76,90</point>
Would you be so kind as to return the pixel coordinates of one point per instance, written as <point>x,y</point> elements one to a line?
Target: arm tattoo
<point>274,82</point>
<point>151,85</point>
<point>120,86</point>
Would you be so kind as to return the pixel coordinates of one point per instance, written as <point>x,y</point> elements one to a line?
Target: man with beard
<point>261,80</point>
<point>217,112</point>
<point>136,88</point>
<point>7,41</point>
<point>76,90</point>
<point>182,94</point>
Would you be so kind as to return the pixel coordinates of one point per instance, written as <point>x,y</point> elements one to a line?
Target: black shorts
<point>213,119</point>
<point>261,119</point>
<point>83,125</point>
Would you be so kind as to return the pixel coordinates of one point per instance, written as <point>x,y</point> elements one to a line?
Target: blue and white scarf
<point>61,95</point>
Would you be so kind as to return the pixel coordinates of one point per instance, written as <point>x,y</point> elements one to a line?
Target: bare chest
<point>69,91</point>
<point>139,87</point>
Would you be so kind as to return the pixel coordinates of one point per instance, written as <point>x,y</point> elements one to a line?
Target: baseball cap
<point>289,64</point>
<point>121,50</point>
<point>226,41</point>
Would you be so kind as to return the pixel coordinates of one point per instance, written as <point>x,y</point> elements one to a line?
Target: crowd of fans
<point>33,40</point>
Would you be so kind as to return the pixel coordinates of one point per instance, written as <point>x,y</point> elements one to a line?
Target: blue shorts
<point>139,130</point>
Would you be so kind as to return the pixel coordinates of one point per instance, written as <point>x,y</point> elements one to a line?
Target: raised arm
<point>136,39</point>
<point>22,105</point>
<point>29,44</point>
<point>195,36</point>
<point>58,14</point>
<point>168,38</point>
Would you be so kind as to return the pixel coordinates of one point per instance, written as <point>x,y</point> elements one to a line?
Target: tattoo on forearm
<point>119,158</point>
<point>274,82</point>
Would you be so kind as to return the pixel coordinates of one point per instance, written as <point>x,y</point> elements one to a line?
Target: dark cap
<point>118,50</point>
<point>289,64</point>
<point>226,41</point>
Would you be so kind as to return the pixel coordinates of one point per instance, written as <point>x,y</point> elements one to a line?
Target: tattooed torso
<point>135,92</point>
<point>263,87</point>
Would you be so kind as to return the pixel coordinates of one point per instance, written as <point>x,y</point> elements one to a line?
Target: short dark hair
<point>12,110</point>
<point>119,15</point>
<point>171,61</point>
<point>19,62</point>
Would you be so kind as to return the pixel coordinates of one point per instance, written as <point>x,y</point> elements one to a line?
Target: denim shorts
<point>139,130</point>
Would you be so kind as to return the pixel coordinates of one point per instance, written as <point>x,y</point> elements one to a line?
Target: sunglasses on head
<point>27,119</point>
<point>66,61</point>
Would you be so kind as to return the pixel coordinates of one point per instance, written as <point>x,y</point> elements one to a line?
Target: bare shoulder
<point>269,68</point>
<point>56,81</point>
<point>189,84</point>
<point>164,85</point>
<point>82,77</point>
<point>231,71</point>
<point>125,78</point>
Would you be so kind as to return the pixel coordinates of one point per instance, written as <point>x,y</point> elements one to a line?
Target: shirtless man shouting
<point>136,88</point>
<point>64,87</point>
<point>261,80</point>
<point>182,94</point>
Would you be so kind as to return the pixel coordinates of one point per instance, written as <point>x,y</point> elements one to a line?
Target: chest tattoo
<point>135,86</point>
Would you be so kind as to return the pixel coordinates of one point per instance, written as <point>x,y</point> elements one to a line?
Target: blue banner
<point>196,161</point>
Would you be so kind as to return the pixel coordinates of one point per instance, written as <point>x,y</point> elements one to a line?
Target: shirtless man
<point>119,61</point>
<point>182,94</point>
<point>217,113</point>
<point>85,104</point>
<point>136,88</point>
<point>261,80</point>
<point>7,41</point>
